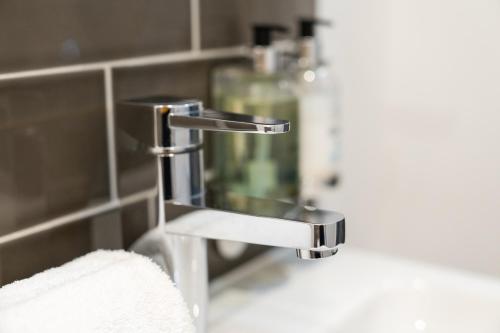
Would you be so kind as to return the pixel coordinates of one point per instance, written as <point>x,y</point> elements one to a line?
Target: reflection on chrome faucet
<point>171,130</point>
<point>314,233</point>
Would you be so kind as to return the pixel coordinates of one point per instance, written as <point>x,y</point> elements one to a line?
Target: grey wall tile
<point>113,230</point>
<point>37,34</point>
<point>227,22</point>
<point>23,258</point>
<point>135,222</point>
<point>106,231</point>
<point>52,147</point>
<point>179,79</point>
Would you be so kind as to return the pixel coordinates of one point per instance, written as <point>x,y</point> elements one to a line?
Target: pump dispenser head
<point>307,44</point>
<point>264,55</point>
<point>307,25</point>
<point>262,33</point>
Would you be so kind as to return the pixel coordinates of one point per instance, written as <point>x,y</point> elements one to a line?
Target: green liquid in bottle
<point>257,164</point>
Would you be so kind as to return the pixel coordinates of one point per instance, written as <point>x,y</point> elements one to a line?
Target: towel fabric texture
<point>101,292</point>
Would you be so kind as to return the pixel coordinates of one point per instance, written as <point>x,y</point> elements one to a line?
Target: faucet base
<point>185,260</point>
<point>187,263</point>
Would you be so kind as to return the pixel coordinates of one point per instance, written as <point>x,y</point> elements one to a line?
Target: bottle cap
<point>306,26</point>
<point>262,33</point>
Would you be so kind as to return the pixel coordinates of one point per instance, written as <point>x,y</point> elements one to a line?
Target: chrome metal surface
<point>316,254</point>
<point>211,120</point>
<point>169,151</point>
<point>230,216</point>
<point>314,233</point>
<point>181,177</point>
<point>170,125</point>
<point>170,129</point>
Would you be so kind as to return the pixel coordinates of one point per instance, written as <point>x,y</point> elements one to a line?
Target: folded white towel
<point>101,292</point>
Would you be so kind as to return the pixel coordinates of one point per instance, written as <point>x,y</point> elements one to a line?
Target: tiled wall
<point>62,68</point>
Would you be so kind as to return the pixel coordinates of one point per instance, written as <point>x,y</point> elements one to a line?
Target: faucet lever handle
<point>212,120</point>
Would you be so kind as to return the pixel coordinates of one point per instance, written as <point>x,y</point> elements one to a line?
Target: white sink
<point>354,292</point>
<point>424,311</point>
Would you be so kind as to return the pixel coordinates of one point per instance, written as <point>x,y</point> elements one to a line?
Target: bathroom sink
<point>424,311</point>
<point>356,291</point>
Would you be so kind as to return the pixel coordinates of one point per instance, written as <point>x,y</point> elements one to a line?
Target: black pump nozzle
<point>262,33</point>
<point>306,26</point>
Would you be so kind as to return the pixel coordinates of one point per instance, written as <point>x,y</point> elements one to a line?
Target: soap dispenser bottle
<point>319,115</point>
<point>257,165</point>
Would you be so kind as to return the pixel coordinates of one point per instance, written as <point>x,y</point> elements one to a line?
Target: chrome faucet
<point>171,130</point>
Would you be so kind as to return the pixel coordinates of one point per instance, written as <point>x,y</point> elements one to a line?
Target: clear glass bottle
<point>257,165</point>
<point>319,116</point>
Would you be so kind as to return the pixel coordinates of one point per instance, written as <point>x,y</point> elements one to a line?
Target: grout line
<point>151,213</point>
<point>227,52</point>
<point>110,132</point>
<point>195,25</point>
<point>139,196</point>
<point>52,71</point>
<point>164,58</point>
<point>77,216</point>
<point>183,56</point>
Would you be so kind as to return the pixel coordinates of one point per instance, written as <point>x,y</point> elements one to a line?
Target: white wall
<point>421,103</point>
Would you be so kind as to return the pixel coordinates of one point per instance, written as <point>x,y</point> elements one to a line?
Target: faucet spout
<point>181,244</point>
<point>314,233</point>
